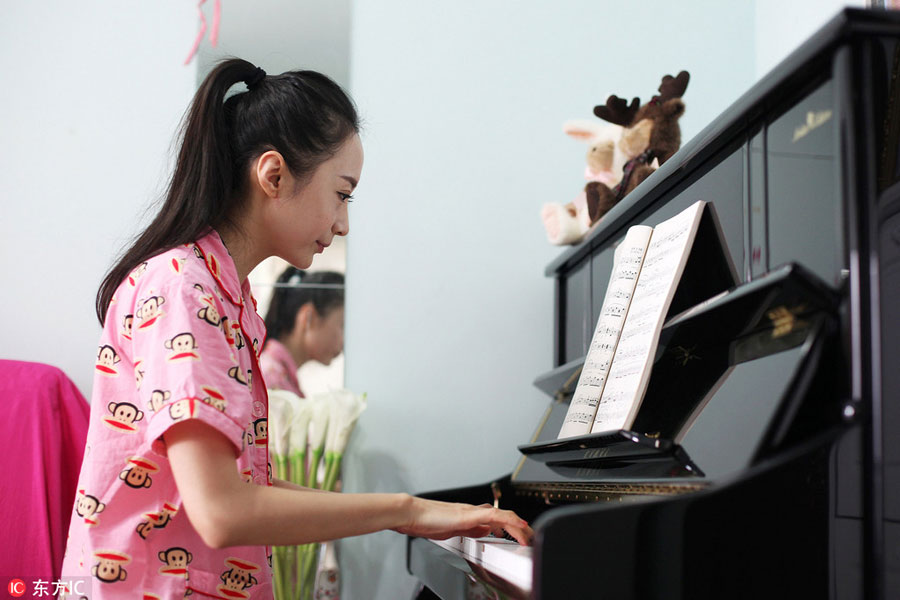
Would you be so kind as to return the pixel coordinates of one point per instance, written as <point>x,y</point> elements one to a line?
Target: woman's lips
<point>321,246</point>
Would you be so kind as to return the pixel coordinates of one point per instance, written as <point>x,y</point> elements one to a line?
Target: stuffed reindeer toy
<point>651,135</point>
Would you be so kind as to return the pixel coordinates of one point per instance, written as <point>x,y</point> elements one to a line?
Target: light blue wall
<point>449,312</point>
<point>94,95</point>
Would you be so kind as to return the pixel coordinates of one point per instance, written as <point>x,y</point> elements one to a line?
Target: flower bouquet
<point>308,439</point>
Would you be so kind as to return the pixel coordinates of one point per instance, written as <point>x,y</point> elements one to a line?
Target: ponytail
<point>303,115</point>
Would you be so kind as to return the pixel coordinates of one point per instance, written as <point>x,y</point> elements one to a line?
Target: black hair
<point>303,115</point>
<point>294,289</point>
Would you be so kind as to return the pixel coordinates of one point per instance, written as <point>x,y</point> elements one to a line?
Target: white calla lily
<point>281,416</point>
<point>318,422</point>
<point>345,407</point>
<point>300,425</point>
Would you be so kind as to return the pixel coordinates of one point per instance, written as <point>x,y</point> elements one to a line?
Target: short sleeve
<point>185,365</point>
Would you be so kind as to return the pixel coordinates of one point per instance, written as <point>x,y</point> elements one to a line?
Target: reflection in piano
<point>764,460</point>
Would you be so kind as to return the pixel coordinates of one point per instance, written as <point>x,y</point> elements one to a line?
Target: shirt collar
<point>221,266</point>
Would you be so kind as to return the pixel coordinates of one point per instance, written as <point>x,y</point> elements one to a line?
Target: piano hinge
<point>602,492</point>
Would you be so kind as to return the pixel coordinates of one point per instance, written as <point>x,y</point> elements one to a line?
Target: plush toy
<point>567,223</point>
<point>651,133</point>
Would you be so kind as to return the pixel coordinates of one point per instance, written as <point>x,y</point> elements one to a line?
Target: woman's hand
<point>441,520</point>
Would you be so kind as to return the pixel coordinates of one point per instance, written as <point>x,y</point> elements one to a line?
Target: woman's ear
<point>270,173</point>
<point>306,317</point>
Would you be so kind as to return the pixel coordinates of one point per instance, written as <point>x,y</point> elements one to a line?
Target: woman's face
<point>324,338</point>
<point>304,223</point>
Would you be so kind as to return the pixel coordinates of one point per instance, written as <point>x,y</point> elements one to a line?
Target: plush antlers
<point>619,112</point>
<point>673,87</point>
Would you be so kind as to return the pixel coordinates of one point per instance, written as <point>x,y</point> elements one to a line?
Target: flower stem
<point>298,468</point>
<point>314,468</point>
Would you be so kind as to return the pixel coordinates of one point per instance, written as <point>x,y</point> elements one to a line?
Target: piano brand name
<point>814,120</point>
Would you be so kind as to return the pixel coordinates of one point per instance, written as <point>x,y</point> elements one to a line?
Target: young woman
<point>176,495</point>
<point>304,322</point>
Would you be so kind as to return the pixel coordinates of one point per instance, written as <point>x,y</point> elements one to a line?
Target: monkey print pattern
<point>183,409</point>
<point>232,330</point>
<point>176,561</point>
<point>158,398</point>
<point>138,375</point>
<point>167,354</point>
<point>236,374</point>
<point>127,326</point>
<point>328,585</point>
<point>214,398</point>
<point>182,346</point>
<point>261,432</point>
<point>177,265</point>
<point>138,474</point>
<point>123,417</point>
<point>157,520</point>
<point>110,567</point>
<point>88,508</point>
<point>237,578</point>
<point>137,273</point>
<point>209,313</point>
<point>107,359</point>
<point>150,311</point>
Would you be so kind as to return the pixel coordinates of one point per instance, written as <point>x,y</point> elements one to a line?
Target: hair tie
<point>253,80</point>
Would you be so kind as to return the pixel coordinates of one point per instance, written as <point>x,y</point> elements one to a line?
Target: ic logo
<point>16,588</point>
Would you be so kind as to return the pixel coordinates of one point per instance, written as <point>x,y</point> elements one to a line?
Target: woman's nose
<point>342,222</point>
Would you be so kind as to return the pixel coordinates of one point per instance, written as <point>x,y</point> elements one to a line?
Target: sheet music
<point>662,268</point>
<point>627,262</point>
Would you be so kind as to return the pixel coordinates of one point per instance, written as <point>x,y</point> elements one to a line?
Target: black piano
<point>787,485</point>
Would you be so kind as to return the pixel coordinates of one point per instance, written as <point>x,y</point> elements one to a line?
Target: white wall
<point>94,92</point>
<point>283,35</point>
<point>449,314</point>
<point>782,26</point>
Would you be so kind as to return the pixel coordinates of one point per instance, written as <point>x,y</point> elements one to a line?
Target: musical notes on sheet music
<point>627,263</point>
<point>629,373</point>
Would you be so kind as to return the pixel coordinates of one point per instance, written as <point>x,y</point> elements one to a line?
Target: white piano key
<point>503,558</point>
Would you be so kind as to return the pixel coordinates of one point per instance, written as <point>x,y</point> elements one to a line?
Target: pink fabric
<point>179,343</point>
<point>605,177</point>
<point>278,368</point>
<point>44,434</point>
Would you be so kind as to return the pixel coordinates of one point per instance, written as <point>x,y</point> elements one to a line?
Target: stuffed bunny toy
<point>568,223</point>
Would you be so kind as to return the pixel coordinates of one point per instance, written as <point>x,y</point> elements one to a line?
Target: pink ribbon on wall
<point>214,30</point>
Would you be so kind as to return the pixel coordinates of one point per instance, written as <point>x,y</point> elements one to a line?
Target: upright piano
<point>787,485</point>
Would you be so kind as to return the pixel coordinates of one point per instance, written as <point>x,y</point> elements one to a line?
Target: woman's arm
<point>227,511</point>
<point>288,485</point>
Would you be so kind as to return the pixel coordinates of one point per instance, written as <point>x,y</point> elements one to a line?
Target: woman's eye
<point>345,197</point>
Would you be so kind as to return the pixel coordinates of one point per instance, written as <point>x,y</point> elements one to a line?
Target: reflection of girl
<point>176,494</point>
<point>304,322</point>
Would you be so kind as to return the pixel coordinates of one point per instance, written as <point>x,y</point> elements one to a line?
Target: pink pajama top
<point>278,367</point>
<point>180,342</point>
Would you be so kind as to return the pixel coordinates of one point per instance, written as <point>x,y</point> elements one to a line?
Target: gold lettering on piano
<point>785,320</point>
<point>814,120</point>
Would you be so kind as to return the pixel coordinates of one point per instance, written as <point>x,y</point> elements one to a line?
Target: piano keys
<point>764,461</point>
